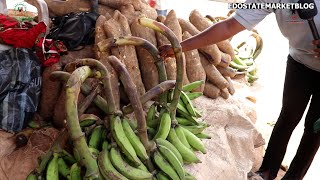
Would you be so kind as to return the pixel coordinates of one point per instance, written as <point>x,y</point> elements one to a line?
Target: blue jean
<point>301,84</point>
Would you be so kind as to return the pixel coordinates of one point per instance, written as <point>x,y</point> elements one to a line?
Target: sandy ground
<point>268,89</point>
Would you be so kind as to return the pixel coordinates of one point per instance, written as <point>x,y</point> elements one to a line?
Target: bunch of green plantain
<point>246,53</point>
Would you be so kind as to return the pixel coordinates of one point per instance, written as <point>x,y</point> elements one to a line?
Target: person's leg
<point>295,100</point>
<point>310,141</point>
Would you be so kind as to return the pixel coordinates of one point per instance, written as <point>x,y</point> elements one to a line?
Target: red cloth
<point>22,38</point>
<point>49,51</point>
<point>7,22</point>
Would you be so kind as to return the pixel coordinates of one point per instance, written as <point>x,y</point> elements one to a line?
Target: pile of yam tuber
<point>118,19</point>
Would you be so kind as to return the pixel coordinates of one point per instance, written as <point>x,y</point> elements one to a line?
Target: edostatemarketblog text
<point>294,6</point>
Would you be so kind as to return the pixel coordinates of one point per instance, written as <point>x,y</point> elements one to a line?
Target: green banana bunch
<point>134,140</point>
<point>87,120</point>
<point>203,136</point>
<point>164,127</point>
<point>63,168</point>
<point>191,86</point>
<point>123,141</point>
<point>194,141</point>
<point>125,169</point>
<point>193,95</point>
<point>161,176</point>
<point>52,169</point>
<point>151,119</point>
<point>164,165</point>
<point>188,104</point>
<point>173,160</point>
<point>187,155</point>
<point>171,147</point>
<point>184,113</point>
<point>106,168</point>
<point>182,137</point>
<point>75,172</point>
<point>32,176</point>
<point>67,157</point>
<point>196,129</point>
<point>95,138</point>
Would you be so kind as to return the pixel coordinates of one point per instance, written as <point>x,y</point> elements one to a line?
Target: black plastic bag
<point>20,87</point>
<point>74,29</point>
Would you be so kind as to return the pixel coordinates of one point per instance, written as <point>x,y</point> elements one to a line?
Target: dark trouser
<point>300,84</point>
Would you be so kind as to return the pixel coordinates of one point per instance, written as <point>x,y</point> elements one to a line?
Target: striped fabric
<point>20,85</point>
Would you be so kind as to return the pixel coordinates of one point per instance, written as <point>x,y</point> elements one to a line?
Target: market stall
<point>111,107</point>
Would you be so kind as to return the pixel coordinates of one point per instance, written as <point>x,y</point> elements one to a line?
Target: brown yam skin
<point>212,51</point>
<point>195,71</point>
<point>171,21</point>
<point>116,4</point>
<point>231,88</point>
<point>86,52</point>
<point>50,91</point>
<point>114,80</point>
<point>213,75</point>
<point>118,26</point>
<point>211,91</point>
<point>227,72</point>
<point>99,34</point>
<point>149,72</point>
<point>224,93</point>
<point>103,10</point>
<point>225,60</point>
<point>201,23</point>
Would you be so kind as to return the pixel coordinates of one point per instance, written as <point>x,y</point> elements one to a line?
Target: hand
<point>317,49</point>
<point>167,51</point>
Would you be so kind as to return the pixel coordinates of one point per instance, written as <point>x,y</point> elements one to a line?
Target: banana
<point>52,169</point>
<point>134,140</point>
<point>32,176</point>
<point>105,145</point>
<point>161,176</point>
<point>164,165</point>
<point>170,146</point>
<point>173,160</point>
<point>184,112</point>
<point>194,141</point>
<point>184,121</point>
<point>190,177</point>
<point>182,137</point>
<point>164,127</point>
<point>122,140</point>
<point>187,155</point>
<point>188,104</point>
<point>67,157</point>
<point>151,119</point>
<point>87,120</point>
<point>125,169</point>
<point>194,95</point>
<point>95,138</point>
<point>106,168</point>
<point>95,152</point>
<point>259,46</point>
<point>75,172</point>
<point>151,132</point>
<point>63,168</point>
<point>195,129</point>
<point>203,136</point>
<point>192,86</point>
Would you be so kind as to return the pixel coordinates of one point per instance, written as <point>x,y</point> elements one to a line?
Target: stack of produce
<point>115,146</point>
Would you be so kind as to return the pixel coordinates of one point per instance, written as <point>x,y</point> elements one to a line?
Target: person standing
<point>301,86</point>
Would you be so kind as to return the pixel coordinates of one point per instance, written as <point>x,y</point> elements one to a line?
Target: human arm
<point>216,33</point>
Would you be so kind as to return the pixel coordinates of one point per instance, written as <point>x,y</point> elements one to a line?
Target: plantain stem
<point>88,100</point>
<point>105,78</point>
<point>152,93</point>
<point>160,27</point>
<point>137,41</point>
<point>99,101</point>
<point>133,96</point>
<point>72,91</point>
